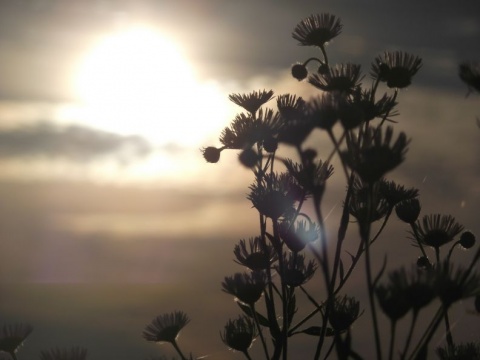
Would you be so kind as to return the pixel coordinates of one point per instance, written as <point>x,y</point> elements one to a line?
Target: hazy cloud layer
<point>70,142</point>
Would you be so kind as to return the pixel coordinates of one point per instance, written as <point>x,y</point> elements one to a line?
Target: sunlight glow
<point>137,81</point>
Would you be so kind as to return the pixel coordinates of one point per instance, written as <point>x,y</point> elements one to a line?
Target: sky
<point>110,216</point>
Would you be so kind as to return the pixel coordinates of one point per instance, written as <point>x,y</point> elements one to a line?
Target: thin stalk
<point>329,351</point>
<point>427,335</point>
<point>260,332</point>
<point>175,345</point>
<point>410,334</point>
<point>365,235</point>
<point>285,299</point>
<point>392,339</point>
<point>247,355</point>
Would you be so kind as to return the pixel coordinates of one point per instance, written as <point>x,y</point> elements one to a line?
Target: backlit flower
<point>466,351</point>
<point>239,334</point>
<point>317,30</point>
<point>295,271</point>
<point>252,101</point>
<point>469,72</point>
<point>13,336</point>
<point>247,288</point>
<point>256,256</point>
<point>298,235</point>
<point>396,68</point>
<point>395,193</point>
<point>311,176</point>
<point>343,78</point>
<point>166,327</point>
<point>75,353</point>
<point>344,312</point>
<point>273,196</point>
<point>372,154</point>
<point>437,230</point>
<point>455,284</point>
<point>323,111</point>
<point>290,107</point>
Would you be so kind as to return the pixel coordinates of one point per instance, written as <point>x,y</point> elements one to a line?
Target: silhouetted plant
<point>75,353</point>
<point>12,337</point>
<point>353,115</point>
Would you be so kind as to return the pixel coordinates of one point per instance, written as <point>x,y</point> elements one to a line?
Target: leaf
<point>247,310</point>
<point>315,331</point>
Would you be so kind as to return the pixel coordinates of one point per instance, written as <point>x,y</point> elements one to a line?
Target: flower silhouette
<point>469,72</point>
<point>239,334</point>
<point>437,230</point>
<point>343,78</point>
<point>166,327</point>
<point>247,288</point>
<point>317,30</point>
<point>13,336</point>
<point>253,101</point>
<point>257,256</point>
<point>396,68</point>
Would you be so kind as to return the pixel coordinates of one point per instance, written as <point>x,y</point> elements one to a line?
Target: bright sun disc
<point>138,82</point>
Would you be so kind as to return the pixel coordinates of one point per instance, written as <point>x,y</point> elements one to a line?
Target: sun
<point>137,81</point>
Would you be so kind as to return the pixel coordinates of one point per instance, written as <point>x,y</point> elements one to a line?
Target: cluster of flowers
<point>278,267</point>
<point>367,150</point>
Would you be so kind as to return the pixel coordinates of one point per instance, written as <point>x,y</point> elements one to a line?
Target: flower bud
<point>423,263</point>
<point>467,240</point>
<point>270,144</point>
<point>211,154</point>
<point>249,158</point>
<point>408,210</point>
<point>299,72</point>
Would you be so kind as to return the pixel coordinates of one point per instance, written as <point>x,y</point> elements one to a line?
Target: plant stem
<point>392,339</point>
<point>260,332</point>
<point>175,345</point>
<point>365,236</point>
<point>410,334</point>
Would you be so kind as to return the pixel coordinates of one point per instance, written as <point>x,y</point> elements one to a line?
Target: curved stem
<point>175,345</point>
<point>247,355</point>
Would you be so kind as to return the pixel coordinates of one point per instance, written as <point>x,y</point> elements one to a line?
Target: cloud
<point>70,142</point>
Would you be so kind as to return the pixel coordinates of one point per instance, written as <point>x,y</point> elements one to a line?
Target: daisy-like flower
<point>359,205</point>
<point>455,284</point>
<point>246,130</point>
<point>274,196</point>
<point>395,193</point>
<point>323,111</point>
<point>257,256</point>
<point>298,235</point>
<point>469,72</point>
<point>343,78</point>
<point>344,312</point>
<point>361,107</point>
<point>13,336</point>
<point>166,327</point>
<point>317,30</point>
<point>312,176</point>
<point>247,288</point>
<point>437,230</point>
<point>396,68</point>
<point>252,101</point>
<point>239,334</point>
<point>466,351</point>
<point>406,291</point>
<point>75,353</point>
<point>295,271</point>
<point>371,154</point>
<point>290,107</point>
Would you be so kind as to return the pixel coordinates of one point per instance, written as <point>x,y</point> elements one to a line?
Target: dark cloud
<point>70,142</point>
